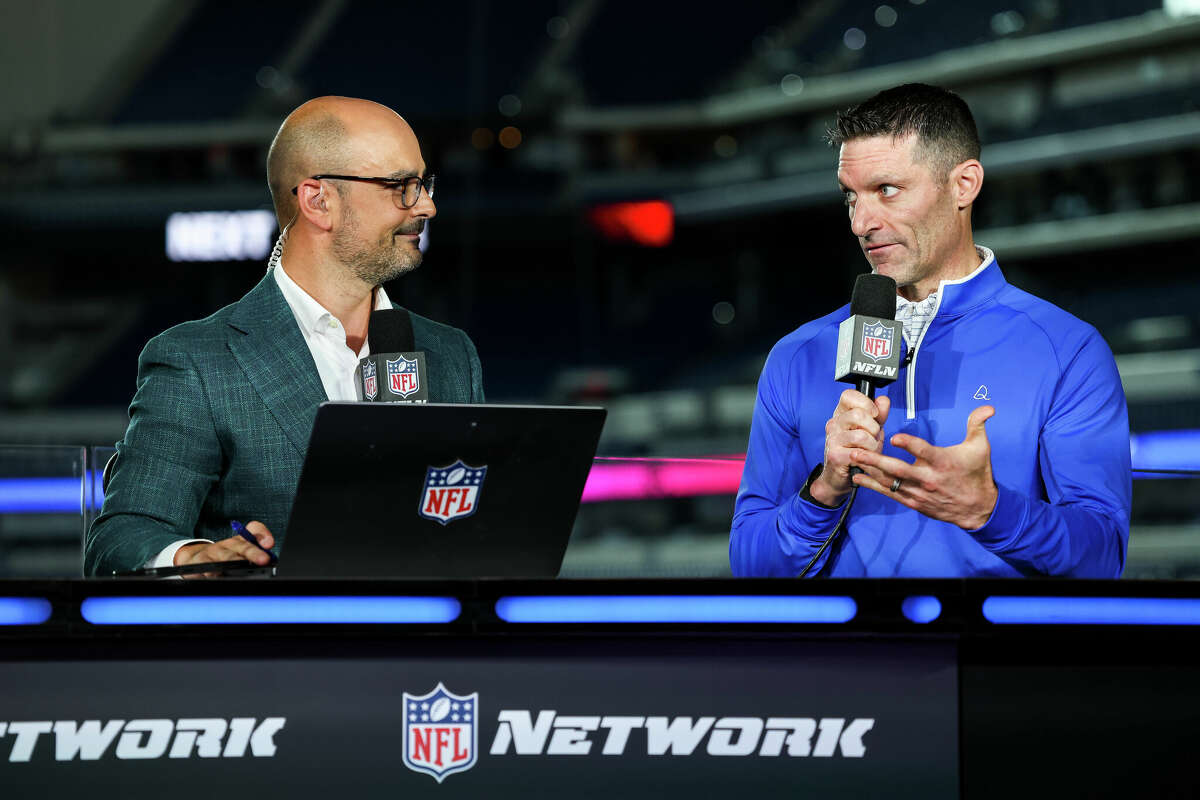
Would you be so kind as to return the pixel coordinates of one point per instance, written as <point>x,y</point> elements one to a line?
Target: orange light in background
<point>510,137</point>
<point>650,223</point>
<point>482,138</point>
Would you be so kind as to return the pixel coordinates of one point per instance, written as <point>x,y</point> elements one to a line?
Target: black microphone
<point>395,370</point>
<point>868,353</point>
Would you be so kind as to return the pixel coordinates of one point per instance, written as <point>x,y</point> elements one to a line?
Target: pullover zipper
<point>910,380</point>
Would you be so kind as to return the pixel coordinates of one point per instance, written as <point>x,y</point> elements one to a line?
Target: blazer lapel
<point>444,374</point>
<point>268,346</point>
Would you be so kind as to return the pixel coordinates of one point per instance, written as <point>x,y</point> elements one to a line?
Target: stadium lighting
<point>1181,8</point>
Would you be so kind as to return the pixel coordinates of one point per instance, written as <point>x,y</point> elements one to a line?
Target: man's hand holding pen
<point>251,542</point>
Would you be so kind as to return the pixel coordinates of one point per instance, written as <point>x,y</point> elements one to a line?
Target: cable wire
<point>829,539</point>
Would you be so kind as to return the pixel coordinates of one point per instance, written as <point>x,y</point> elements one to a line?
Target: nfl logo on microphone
<point>403,376</point>
<point>876,341</point>
<point>440,734</point>
<point>370,382</point>
<point>451,492</point>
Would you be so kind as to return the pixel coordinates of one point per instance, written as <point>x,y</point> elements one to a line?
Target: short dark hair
<point>941,120</point>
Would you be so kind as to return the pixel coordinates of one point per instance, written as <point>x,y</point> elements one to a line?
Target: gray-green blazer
<point>220,423</point>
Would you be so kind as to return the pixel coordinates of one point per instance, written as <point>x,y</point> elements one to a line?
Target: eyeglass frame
<point>427,183</point>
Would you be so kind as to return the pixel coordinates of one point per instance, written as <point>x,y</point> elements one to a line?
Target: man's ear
<point>314,203</point>
<point>967,179</point>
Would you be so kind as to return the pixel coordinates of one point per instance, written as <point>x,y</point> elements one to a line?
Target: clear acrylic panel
<point>45,492</point>
<point>98,458</point>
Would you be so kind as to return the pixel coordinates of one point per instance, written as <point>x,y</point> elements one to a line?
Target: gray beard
<point>372,265</point>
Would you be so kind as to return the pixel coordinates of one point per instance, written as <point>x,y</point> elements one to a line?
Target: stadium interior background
<point>634,203</point>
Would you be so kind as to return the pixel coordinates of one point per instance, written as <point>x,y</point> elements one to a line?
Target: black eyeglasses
<point>405,191</point>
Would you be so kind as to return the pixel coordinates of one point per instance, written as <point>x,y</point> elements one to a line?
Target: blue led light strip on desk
<point>1092,610</point>
<point>269,610</point>
<point>24,610</point>
<point>921,609</point>
<point>677,608</point>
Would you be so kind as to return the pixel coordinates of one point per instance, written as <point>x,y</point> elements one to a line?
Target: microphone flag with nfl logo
<point>868,348</point>
<point>392,378</point>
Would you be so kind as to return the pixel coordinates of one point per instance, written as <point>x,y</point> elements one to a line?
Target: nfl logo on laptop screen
<point>451,492</point>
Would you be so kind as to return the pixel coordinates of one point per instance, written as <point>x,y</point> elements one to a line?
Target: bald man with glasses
<point>225,405</point>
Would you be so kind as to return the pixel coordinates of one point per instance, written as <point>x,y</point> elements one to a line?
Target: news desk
<point>598,689</point>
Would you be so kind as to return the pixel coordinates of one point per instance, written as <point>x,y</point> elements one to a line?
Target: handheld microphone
<point>868,353</point>
<point>395,370</point>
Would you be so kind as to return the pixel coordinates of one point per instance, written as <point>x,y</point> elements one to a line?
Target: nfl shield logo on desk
<point>403,376</point>
<point>440,734</point>
<point>370,381</point>
<point>876,341</point>
<point>451,492</point>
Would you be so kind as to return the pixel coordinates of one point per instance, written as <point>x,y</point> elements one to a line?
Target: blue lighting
<point>1154,450</point>
<point>41,496</point>
<point>921,609</point>
<point>50,495</point>
<point>1165,450</point>
<point>1092,610</point>
<point>273,610</point>
<point>677,608</point>
<point>24,610</point>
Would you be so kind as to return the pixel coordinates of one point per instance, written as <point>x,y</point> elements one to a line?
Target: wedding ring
<point>896,485</point>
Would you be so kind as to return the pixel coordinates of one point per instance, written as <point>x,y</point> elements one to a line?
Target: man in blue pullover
<point>1003,448</point>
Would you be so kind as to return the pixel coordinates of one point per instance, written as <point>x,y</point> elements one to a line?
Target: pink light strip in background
<point>1157,454</point>
<point>648,478</point>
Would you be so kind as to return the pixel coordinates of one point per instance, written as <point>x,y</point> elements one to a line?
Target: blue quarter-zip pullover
<point>1059,446</point>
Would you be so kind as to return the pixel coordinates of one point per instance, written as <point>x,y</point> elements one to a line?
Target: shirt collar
<point>311,315</point>
<point>988,258</point>
<point>961,295</point>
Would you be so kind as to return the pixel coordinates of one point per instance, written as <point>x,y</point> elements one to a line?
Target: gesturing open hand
<point>953,484</point>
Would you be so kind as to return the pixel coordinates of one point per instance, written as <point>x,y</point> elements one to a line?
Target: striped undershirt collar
<point>916,316</point>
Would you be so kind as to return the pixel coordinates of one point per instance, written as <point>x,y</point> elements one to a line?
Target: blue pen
<point>241,531</point>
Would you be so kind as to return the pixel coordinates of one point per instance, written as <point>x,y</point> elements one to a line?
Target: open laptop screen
<point>439,490</point>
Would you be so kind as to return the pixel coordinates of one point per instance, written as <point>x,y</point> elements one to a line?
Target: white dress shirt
<point>326,340</point>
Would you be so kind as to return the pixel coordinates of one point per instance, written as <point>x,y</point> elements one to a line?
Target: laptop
<point>439,490</point>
